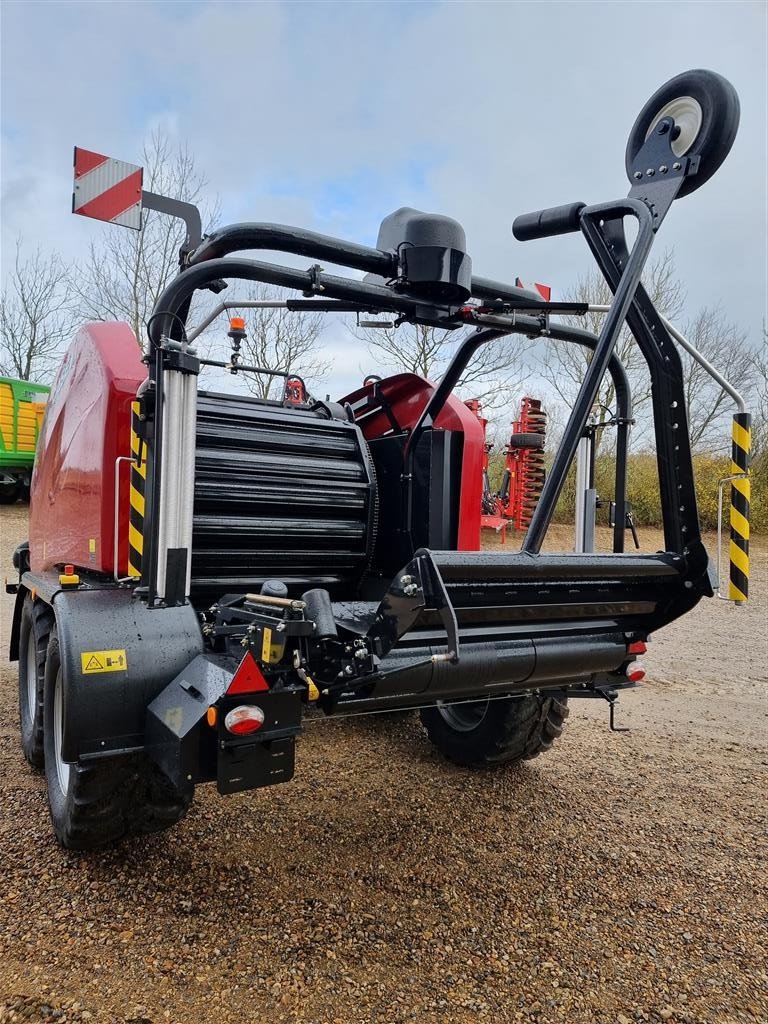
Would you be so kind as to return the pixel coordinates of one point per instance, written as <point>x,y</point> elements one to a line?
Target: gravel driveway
<point>620,878</point>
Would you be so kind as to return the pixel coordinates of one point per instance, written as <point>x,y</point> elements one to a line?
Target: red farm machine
<point>206,569</point>
<point>524,472</point>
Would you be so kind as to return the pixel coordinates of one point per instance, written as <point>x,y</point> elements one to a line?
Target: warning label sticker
<point>103,661</point>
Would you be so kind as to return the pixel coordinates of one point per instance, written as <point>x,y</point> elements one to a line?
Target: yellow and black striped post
<point>738,589</point>
<point>138,488</point>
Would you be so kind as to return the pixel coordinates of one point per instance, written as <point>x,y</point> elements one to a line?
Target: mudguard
<point>116,656</point>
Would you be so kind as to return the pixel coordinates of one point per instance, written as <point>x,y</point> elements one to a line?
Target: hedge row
<point>643,489</point>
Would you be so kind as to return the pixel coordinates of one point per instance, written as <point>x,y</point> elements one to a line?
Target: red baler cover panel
<point>407,394</point>
<point>87,426</point>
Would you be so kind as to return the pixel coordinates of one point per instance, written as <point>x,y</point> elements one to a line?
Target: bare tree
<point>126,270</point>
<point>35,316</point>
<point>725,346</point>
<point>722,343</point>
<point>280,339</point>
<point>759,401</point>
<point>493,375</point>
<point>565,364</point>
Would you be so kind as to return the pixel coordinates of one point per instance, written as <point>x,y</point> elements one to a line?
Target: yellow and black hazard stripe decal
<point>137,494</point>
<point>738,589</point>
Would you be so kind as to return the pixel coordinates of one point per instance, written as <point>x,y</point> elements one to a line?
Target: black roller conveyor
<point>279,493</point>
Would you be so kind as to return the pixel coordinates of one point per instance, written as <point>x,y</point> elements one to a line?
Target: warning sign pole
<point>112,190</point>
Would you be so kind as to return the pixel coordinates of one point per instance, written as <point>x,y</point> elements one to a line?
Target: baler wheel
<point>484,734</point>
<point>96,803</point>
<point>35,626</point>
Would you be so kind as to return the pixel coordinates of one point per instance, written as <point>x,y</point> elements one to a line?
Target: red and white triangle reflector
<point>248,678</point>
<point>107,189</point>
<point>533,286</point>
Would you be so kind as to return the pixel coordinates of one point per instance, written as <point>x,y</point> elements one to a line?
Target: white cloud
<point>508,107</point>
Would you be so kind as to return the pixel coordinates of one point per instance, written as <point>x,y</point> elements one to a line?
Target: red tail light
<point>637,647</point>
<point>635,672</point>
<point>244,719</point>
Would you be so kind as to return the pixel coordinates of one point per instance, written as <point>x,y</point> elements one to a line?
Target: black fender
<point>13,643</point>
<point>116,655</point>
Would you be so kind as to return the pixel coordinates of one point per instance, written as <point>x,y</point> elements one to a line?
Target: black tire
<point>535,441</point>
<point>9,493</point>
<point>483,734</point>
<point>34,629</point>
<point>719,107</point>
<point>100,802</point>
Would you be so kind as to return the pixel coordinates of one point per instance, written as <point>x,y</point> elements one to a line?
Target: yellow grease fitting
<point>92,662</point>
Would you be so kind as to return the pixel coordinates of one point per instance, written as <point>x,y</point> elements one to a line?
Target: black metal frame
<point>603,228</point>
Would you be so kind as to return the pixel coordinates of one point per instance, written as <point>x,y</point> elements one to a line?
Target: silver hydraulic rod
<point>582,483</point>
<point>177,485</point>
<point>694,352</point>
<point>233,304</point>
<point>187,470</point>
<point>169,484</point>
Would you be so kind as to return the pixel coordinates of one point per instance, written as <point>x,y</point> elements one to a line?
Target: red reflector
<point>544,290</point>
<point>244,719</point>
<point>637,647</point>
<point>248,678</point>
<point>635,672</point>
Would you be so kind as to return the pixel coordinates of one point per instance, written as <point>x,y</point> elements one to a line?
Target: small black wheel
<point>9,493</point>
<point>535,441</point>
<point>705,107</point>
<point>97,803</point>
<point>485,733</point>
<point>34,628</point>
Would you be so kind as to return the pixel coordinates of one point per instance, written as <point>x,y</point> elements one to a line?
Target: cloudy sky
<point>331,115</point>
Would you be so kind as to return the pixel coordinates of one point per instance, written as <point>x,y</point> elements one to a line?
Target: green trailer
<point>22,406</point>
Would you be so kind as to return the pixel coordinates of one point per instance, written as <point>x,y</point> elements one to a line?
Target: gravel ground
<point>620,878</point>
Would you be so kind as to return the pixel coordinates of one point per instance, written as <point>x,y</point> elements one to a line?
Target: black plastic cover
<point>432,253</point>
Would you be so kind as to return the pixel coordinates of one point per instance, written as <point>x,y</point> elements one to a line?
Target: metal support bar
<point>237,367</point>
<point>673,452</point>
<point>294,305</point>
<point>592,220</point>
<point>174,300</point>
<point>283,238</point>
<point>183,211</point>
<point>691,349</point>
<point>740,492</point>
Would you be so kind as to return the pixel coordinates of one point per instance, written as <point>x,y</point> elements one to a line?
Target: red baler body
<point>87,426</point>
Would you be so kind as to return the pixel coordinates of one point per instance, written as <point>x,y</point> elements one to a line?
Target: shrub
<point>643,490</point>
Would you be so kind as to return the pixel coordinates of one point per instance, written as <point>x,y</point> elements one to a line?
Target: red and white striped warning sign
<point>107,189</point>
<point>533,286</point>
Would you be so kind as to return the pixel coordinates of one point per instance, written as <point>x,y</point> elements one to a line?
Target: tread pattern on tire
<point>107,799</point>
<point>522,728</point>
<point>38,616</point>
